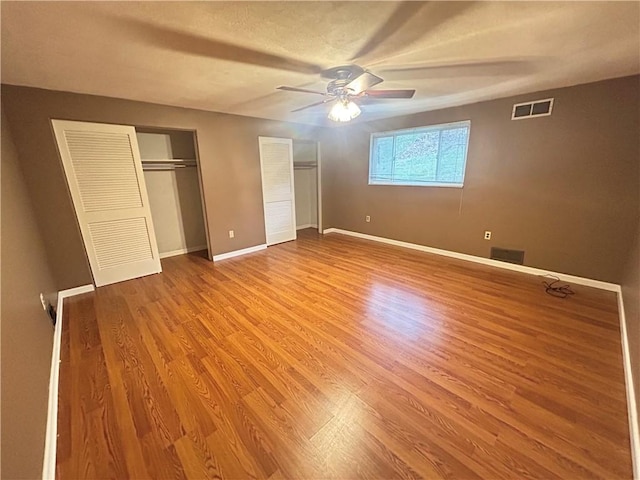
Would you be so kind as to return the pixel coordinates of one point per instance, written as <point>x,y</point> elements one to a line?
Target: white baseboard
<point>75,291</point>
<point>634,427</point>
<point>51,435</point>
<point>237,253</point>
<point>182,251</point>
<point>306,225</point>
<point>612,287</point>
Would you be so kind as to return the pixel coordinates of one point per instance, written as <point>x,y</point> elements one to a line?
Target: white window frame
<point>426,128</point>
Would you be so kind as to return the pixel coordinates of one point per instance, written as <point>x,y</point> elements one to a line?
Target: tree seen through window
<point>433,155</point>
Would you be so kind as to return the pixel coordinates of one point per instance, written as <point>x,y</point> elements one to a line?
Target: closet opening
<point>306,183</point>
<point>171,170</point>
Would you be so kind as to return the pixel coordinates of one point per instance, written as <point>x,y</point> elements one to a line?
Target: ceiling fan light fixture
<point>348,82</point>
<point>344,111</point>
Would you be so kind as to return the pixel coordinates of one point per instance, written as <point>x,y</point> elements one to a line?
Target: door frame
<point>319,184</point>
<point>318,178</point>
<point>202,199</point>
<point>194,132</point>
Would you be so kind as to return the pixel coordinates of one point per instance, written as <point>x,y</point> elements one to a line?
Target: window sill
<point>418,184</point>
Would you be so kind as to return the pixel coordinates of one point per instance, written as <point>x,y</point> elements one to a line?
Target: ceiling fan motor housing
<point>337,87</point>
<point>340,77</point>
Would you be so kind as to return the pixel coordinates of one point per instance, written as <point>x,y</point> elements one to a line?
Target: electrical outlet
<point>231,234</point>
<point>367,219</point>
<point>487,235</point>
<point>43,302</point>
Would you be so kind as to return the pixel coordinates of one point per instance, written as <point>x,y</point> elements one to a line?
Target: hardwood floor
<point>334,357</point>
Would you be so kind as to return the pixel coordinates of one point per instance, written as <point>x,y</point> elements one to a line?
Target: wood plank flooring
<point>334,357</point>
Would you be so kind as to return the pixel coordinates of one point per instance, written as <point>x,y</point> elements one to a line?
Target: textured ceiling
<point>230,56</point>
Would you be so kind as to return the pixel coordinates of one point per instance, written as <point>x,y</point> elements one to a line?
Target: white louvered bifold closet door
<point>276,161</point>
<point>104,172</point>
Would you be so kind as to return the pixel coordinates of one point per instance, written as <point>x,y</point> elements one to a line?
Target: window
<point>428,156</point>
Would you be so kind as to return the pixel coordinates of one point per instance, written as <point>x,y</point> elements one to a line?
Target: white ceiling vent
<point>538,108</point>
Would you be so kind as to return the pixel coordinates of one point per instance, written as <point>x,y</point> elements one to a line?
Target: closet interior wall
<point>305,179</point>
<point>169,162</point>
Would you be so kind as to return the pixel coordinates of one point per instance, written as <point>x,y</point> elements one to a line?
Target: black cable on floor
<point>554,289</point>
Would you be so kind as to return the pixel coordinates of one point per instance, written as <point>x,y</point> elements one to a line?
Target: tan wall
<point>563,188</point>
<point>176,209</point>
<point>27,333</point>
<point>228,147</point>
<point>631,296</point>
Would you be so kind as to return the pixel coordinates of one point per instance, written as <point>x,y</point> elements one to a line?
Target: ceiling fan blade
<point>328,100</point>
<point>410,22</point>
<point>363,82</point>
<point>303,90</point>
<point>488,68</point>
<point>389,93</point>
<point>178,41</point>
<point>402,14</point>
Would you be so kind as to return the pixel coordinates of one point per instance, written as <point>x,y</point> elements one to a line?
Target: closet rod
<point>158,167</point>
<point>303,167</point>
<point>169,164</point>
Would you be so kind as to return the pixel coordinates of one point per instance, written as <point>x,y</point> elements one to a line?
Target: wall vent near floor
<point>538,108</point>
<point>506,255</point>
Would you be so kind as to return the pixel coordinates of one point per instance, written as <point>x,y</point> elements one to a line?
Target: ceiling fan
<point>348,85</point>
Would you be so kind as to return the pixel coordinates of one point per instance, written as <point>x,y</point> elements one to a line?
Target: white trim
<point>51,435</point>
<point>75,291</point>
<point>634,427</point>
<point>417,184</point>
<point>201,189</point>
<point>612,287</point>
<point>319,183</point>
<point>306,225</point>
<point>182,251</point>
<point>424,128</point>
<point>236,253</point>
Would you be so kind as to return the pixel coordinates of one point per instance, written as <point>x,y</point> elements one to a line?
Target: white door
<point>104,172</point>
<point>276,162</point>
